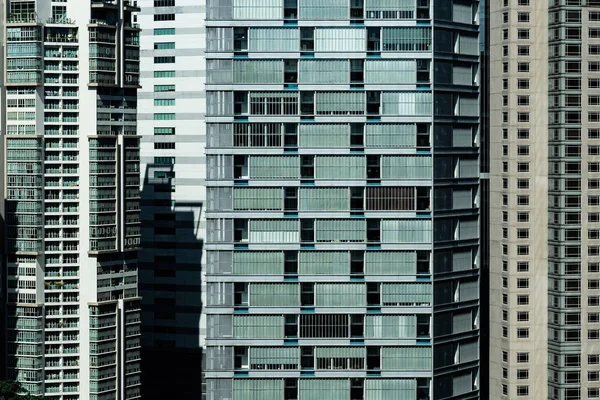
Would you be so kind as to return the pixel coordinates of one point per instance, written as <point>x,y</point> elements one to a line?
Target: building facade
<point>171,125</point>
<point>545,240</point>
<point>69,99</point>
<point>342,184</point>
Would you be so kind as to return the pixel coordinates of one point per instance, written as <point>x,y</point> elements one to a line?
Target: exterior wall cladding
<point>342,199</point>
<point>72,198</point>
<point>544,176</point>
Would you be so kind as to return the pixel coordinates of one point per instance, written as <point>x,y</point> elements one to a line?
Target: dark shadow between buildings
<point>170,285</point>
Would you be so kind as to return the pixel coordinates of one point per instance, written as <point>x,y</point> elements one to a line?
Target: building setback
<point>342,208</point>
<point>71,73</point>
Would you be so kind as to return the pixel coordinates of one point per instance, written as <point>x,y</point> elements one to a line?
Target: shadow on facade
<point>170,285</point>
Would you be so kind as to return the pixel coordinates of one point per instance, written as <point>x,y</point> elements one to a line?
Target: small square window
<point>522,374</point>
<point>523,390</point>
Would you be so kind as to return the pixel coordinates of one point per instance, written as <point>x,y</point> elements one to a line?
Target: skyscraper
<point>342,199</point>
<point>545,230</point>
<point>171,124</point>
<point>72,197</point>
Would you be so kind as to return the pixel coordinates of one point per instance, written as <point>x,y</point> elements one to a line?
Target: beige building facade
<point>545,200</point>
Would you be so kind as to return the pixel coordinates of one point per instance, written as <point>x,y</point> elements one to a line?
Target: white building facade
<point>171,124</point>
<point>72,198</point>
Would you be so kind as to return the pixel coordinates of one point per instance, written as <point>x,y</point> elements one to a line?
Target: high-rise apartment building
<point>72,197</point>
<point>171,126</point>
<point>342,208</point>
<point>545,182</point>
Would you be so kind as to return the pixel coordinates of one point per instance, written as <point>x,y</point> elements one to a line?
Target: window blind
<point>258,326</point>
<point>258,263</point>
<point>219,135</point>
<point>468,45</point>
<point>406,358</point>
<point>462,12</point>
<point>462,137</point>
<point>390,9</point>
<point>340,294</point>
<point>406,231</point>
<point>219,262</point>
<point>223,388</point>
<point>219,358</point>
<point>340,39</point>
<point>390,389</point>
<point>219,71</point>
<point>406,167</point>
<point>219,10</point>
<point>324,263</point>
<point>274,231</point>
<point>219,326</point>
<point>406,294</point>
<point>273,167</point>
<point>219,294</point>
<point>462,75</point>
<point>340,167</point>
<point>462,322</point>
<point>324,199</point>
<point>395,72</point>
<point>274,355</point>
<point>323,9</point>
<point>219,103</point>
<point>468,290</point>
<point>390,326</point>
<point>406,39</point>
<point>462,384</point>
<point>462,260</point>
<point>275,40</point>
<point>468,229</point>
<point>390,135</point>
<point>340,230</point>
<point>468,168</point>
<point>258,389</point>
<point>326,72</point>
<point>468,351</point>
<point>323,135</point>
<point>258,71</point>
<point>406,103</point>
<point>273,295</point>
<point>258,198</point>
<point>319,389</point>
<point>468,106</point>
<point>340,103</point>
<point>219,39</point>
<point>340,352</point>
<point>390,262</point>
<point>257,9</point>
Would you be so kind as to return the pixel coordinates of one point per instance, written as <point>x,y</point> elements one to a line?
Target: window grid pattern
<point>321,196</point>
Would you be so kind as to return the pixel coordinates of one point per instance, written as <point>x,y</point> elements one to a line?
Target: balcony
<point>131,5</point>
<point>104,4</point>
